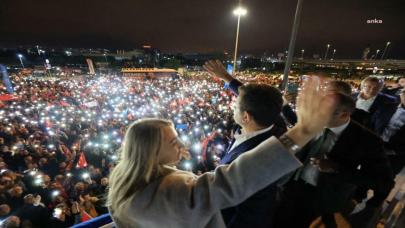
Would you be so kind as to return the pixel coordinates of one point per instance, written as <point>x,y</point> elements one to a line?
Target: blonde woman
<point>145,191</point>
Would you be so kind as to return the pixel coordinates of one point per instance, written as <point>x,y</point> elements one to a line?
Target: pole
<point>376,54</point>
<point>236,46</point>
<point>333,55</point>
<point>292,44</point>
<point>385,50</point>
<point>22,64</point>
<point>327,50</point>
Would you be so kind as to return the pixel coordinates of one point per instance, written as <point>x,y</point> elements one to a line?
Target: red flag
<point>82,163</point>
<point>7,97</point>
<point>85,216</point>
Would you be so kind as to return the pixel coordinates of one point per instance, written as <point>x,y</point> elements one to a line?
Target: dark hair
<point>345,103</point>
<point>373,79</point>
<point>341,87</point>
<point>263,102</point>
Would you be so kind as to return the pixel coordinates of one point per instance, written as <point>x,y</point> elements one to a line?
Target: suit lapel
<point>248,144</point>
<point>344,141</point>
<point>375,104</point>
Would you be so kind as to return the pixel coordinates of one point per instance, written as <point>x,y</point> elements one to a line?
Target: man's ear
<point>246,117</point>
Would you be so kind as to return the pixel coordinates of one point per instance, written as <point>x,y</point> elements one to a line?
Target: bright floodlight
<point>388,43</point>
<point>240,11</point>
<point>20,56</point>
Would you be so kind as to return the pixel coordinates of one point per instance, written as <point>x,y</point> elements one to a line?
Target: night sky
<point>205,25</point>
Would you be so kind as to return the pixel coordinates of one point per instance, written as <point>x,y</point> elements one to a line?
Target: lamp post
<point>240,11</point>
<point>333,54</point>
<point>326,52</point>
<point>376,53</point>
<point>385,49</point>
<point>20,57</point>
<point>105,57</point>
<point>291,46</point>
<point>302,53</point>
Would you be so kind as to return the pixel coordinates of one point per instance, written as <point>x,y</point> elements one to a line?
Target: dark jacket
<point>257,210</point>
<point>362,162</point>
<point>379,113</point>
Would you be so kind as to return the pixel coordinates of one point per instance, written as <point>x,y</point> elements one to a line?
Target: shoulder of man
<point>387,99</point>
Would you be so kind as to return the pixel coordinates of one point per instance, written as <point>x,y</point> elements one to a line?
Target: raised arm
<point>216,69</point>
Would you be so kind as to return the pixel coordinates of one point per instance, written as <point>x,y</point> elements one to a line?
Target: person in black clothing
<point>344,157</point>
<point>257,111</point>
<point>37,214</point>
<point>395,90</point>
<point>376,105</point>
<point>14,198</point>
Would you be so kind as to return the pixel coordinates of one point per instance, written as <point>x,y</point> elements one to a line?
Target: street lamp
<point>302,53</point>
<point>385,49</point>
<point>376,53</point>
<point>20,57</point>
<point>291,46</point>
<point>333,55</point>
<point>240,11</point>
<point>105,57</point>
<point>327,50</point>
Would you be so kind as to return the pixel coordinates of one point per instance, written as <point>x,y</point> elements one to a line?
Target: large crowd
<point>59,139</point>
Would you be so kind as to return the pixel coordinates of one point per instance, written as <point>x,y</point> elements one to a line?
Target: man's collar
<point>339,129</point>
<point>254,133</point>
<point>370,98</point>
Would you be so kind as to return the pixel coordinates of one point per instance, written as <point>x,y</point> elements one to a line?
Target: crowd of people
<point>61,139</point>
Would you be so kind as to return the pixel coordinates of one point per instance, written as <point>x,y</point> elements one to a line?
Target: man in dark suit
<point>344,157</point>
<point>375,105</point>
<point>257,111</point>
<point>395,89</point>
<point>393,136</point>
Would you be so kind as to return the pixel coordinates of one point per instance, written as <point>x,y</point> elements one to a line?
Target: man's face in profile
<point>370,89</point>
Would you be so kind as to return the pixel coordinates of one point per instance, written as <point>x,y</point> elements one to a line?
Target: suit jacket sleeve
<point>231,184</point>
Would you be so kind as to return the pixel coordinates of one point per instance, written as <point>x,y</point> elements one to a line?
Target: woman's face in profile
<point>170,152</point>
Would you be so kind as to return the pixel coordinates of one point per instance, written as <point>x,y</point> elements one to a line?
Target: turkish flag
<point>82,163</point>
<point>85,216</point>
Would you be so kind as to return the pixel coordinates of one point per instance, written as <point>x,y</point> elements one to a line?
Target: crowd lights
<point>191,110</point>
<point>85,175</point>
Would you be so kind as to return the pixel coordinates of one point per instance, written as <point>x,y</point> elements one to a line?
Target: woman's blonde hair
<point>138,164</point>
